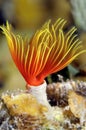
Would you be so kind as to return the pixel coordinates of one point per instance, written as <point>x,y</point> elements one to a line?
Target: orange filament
<point>48,51</point>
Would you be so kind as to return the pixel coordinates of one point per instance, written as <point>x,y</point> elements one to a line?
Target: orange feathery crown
<point>48,51</point>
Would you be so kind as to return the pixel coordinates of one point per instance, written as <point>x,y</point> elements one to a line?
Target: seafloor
<point>19,110</point>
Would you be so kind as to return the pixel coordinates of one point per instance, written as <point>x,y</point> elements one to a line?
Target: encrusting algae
<point>23,103</point>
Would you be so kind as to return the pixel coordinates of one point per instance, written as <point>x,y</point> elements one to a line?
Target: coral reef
<point>20,110</point>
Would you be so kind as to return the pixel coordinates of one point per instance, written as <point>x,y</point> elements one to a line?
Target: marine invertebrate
<point>46,52</point>
<point>49,50</point>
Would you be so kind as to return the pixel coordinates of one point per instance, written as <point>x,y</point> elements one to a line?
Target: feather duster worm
<point>48,51</point>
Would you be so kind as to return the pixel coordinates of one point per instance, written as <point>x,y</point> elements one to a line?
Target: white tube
<point>40,93</point>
